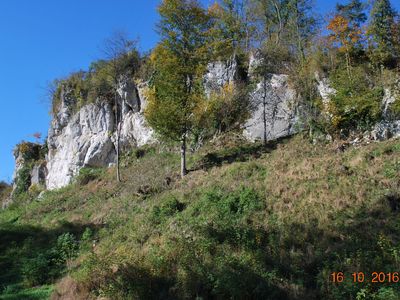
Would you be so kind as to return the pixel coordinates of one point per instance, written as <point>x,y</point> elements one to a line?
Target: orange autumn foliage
<point>343,34</point>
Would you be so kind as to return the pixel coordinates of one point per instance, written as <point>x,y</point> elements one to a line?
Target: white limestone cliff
<point>86,138</point>
<point>275,103</point>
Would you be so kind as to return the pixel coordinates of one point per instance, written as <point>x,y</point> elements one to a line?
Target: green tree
<point>179,61</point>
<point>230,31</point>
<point>286,23</point>
<point>382,32</point>
<point>270,18</point>
<point>302,26</point>
<point>354,12</point>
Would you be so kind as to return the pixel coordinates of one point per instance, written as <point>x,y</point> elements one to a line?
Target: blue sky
<point>46,39</point>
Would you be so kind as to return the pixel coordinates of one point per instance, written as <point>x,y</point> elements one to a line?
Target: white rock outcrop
<point>86,138</point>
<point>133,130</point>
<point>275,104</point>
<point>218,74</point>
<point>272,98</point>
<point>325,90</point>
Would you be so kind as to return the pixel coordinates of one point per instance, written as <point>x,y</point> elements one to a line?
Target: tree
<point>302,25</point>
<point>179,63</point>
<point>345,37</point>
<point>270,17</point>
<point>288,24</point>
<point>122,60</point>
<point>353,12</point>
<point>382,31</point>
<point>229,32</point>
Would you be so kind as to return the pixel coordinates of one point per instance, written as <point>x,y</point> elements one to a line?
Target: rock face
<point>19,164</point>
<point>275,106</point>
<point>86,138</point>
<point>325,90</point>
<point>134,131</point>
<point>272,98</point>
<point>218,74</point>
<point>385,130</point>
<point>30,167</point>
<point>388,128</point>
<point>39,174</point>
<point>276,109</point>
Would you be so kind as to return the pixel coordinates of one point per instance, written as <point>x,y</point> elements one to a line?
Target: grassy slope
<point>246,222</point>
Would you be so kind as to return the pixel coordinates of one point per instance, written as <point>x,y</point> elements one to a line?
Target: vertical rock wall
<point>86,138</point>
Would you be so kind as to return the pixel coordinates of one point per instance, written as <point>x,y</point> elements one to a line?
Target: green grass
<point>247,223</point>
<point>40,293</point>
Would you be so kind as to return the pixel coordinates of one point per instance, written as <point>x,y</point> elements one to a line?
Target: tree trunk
<point>280,28</point>
<point>264,111</point>
<point>117,138</point>
<point>183,156</point>
<point>348,64</point>
<point>299,40</point>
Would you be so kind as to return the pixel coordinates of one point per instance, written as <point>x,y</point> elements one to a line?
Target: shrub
<point>5,191</point>
<point>74,89</point>
<point>87,234</point>
<point>23,180</point>
<point>35,189</point>
<point>168,208</point>
<point>28,151</point>
<point>66,248</point>
<point>357,103</point>
<point>227,109</point>
<point>386,293</point>
<point>87,175</point>
<point>35,271</point>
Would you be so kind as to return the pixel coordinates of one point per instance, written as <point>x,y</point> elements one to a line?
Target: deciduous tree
<point>179,62</point>
<point>345,37</point>
<point>122,60</point>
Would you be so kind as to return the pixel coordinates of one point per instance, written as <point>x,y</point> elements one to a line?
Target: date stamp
<point>360,277</point>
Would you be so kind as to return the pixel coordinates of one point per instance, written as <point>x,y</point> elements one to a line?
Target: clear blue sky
<point>46,39</point>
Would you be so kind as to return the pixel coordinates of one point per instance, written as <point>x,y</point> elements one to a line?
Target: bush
<point>36,270</point>
<point>28,151</point>
<point>23,180</point>
<point>357,102</point>
<point>168,208</point>
<point>81,88</point>
<point>87,175</point>
<point>66,248</point>
<point>227,109</point>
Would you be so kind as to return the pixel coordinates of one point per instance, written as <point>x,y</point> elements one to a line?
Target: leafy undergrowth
<point>247,223</point>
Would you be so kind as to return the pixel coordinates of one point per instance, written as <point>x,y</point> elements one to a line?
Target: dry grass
<point>316,201</point>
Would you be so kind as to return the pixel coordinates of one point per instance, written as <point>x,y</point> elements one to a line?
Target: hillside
<point>252,153</point>
<point>247,222</point>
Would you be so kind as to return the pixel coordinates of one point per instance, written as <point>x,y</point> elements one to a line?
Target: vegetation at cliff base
<point>246,222</point>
